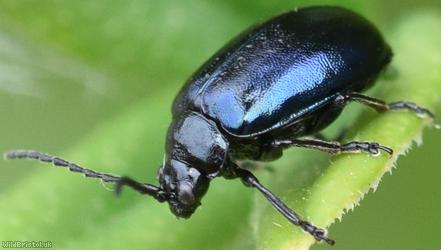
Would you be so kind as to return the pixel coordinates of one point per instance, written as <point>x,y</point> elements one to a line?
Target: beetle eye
<point>185,194</point>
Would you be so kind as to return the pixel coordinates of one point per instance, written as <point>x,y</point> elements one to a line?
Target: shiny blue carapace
<point>285,69</point>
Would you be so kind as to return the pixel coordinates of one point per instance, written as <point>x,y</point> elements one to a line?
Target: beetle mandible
<point>267,89</point>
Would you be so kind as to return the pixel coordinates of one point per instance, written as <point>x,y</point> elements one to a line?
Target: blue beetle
<point>267,89</point>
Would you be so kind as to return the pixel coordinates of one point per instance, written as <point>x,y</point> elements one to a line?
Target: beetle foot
<point>371,147</point>
<point>374,149</point>
<point>419,111</point>
<point>422,112</point>
<point>318,233</point>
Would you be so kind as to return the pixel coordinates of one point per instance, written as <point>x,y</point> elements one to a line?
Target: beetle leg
<point>143,188</point>
<point>333,147</point>
<point>250,180</point>
<point>382,106</point>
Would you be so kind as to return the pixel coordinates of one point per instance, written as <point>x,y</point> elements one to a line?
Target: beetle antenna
<point>149,189</point>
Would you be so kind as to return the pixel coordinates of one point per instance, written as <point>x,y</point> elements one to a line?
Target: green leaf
<point>324,193</point>
<point>76,213</point>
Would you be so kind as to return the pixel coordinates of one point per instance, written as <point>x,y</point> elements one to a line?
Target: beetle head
<point>184,185</point>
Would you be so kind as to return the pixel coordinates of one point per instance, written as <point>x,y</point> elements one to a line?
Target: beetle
<point>267,90</point>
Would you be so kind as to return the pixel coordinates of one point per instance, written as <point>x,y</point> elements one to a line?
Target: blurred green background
<point>70,70</point>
